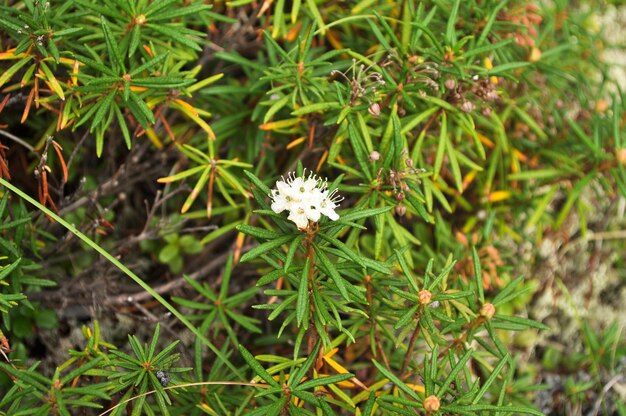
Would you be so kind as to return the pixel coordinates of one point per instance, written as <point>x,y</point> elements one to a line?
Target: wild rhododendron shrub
<point>310,207</point>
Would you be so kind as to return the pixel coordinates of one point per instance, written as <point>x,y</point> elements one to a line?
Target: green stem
<point>126,270</point>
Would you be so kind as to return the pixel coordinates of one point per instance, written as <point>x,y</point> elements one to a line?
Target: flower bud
<point>620,154</point>
<point>374,109</point>
<point>374,156</point>
<point>400,210</point>
<point>535,54</point>
<point>487,310</point>
<point>140,20</point>
<point>431,404</point>
<point>467,106</point>
<point>450,84</point>
<point>424,297</point>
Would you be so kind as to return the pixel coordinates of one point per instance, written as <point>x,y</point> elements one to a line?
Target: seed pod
<point>467,106</point>
<point>374,109</point>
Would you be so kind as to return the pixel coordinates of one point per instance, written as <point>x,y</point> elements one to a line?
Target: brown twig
<point>143,296</point>
<point>409,350</point>
<point>19,141</point>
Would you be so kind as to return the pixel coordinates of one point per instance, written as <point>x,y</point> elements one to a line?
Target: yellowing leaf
<point>333,39</point>
<point>192,113</point>
<point>47,74</point>
<point>499,196</point>
<point>485,141</point>
<point>520,156</point>
<point>469,178</point>
<point>204,82</point>
<point>341,369</point>
<point>276,125</point>
<point>188,107</point>
<point>295,142</point>
<point>416,387</point>
<point>10,54</point>
<point>154,139</point>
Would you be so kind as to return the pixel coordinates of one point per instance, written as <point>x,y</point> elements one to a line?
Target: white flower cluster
<point>306,199</point>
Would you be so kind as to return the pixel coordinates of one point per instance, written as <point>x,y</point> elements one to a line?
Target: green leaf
<point>298,374</point>
<point>406,271</point>
<point>359,151</point>
<point>360,260</point>
<point>450,32</point>
<point>176,35</point>
<point>151,63</point>
<point>168,253</point>
<point>153,344</point>
<point>478,275</point>
<point>123,127</point>
<point>140,110</point>
<point>519,321</point>
<point>460,365</point>
<point>317,108</point>
<point>482,408</point>
<point>258,232</point>
<point>293,248</point>
<point>508,67</point>
<point>302,304</point>
<point>103,108</point>
<point>573,196</point>
<point>266,247</point>
<point>162,82</point>
<point>257,182</point>
<point>407,317</point>
<point>111,43</point>
<point>332,271</point>
<point>176,12</point>
<point>5,270</point>
<point>509,289</point>
<point>8,73</point>
<point>395,380</point>
<point>441,145</point>
<point>324,381</point>
<point>257,367</point>
<point>362,213</point>
<point>492,377</point>
<point>316,14</point>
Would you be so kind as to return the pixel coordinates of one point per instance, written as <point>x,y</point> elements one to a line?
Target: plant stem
<point>409,350</point>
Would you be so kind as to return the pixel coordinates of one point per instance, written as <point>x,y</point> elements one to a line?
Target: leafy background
<point>481,142</point>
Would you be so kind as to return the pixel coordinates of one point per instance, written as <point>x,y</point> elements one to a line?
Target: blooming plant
<point>447,131</point>
<point>306,199</point>
<point>330,293</point>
